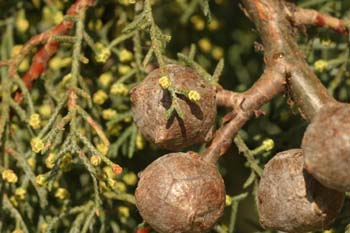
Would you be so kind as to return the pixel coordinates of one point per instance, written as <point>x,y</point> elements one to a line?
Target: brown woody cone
<point>182,193</point>
<point>291,200</point>
<point>326,146</point>
<point>150,103</point>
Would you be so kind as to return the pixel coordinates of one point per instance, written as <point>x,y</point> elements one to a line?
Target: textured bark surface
<point>280,46</point>
<point>326,145</point>
<point>181,193</point>
<point>150,103</point>
<point>291,200</point>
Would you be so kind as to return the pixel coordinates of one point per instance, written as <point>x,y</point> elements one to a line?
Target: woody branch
<point>41,58</point>
<point>286,70</point>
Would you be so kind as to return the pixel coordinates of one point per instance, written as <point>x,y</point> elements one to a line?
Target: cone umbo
<point>291,200</point>
<point>326,146</point>
<point>180,193</point>
<point>150,103</point>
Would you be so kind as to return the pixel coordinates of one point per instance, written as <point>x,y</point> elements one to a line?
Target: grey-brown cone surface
<point>180,193</point>
<point>150,103</point>
<point>291,200</point>
<point>326,146</point>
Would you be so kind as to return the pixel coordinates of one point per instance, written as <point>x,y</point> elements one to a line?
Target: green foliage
<point>83,103</point>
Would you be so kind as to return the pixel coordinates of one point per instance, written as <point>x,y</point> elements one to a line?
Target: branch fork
<point>286,71</point>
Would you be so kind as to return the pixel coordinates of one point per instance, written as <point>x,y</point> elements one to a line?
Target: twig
<point>302,16</point>
<point>41,58</point>
<point>234,209</point>
<point>15,213</point>
<point>242,147</point>
<point>74,210</point>
<point>270,84</point>
<point>42,194</point>
<point>274,28</point>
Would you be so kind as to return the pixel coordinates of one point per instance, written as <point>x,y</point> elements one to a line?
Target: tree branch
<point>301,16</point>
<point>275,31</point>
<point>285,65</point>
<point>271,83</point>
<point>41,58</point>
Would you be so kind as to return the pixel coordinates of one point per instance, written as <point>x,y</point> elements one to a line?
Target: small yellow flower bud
<point>105,79</point>
<point>120,186</point>
<point>45,111</point>
<point>20,193</point>
<point>36,3</point>
<point>24,65</point>
<point>95,25</point>
<point>123,69</point>
<point>205,45</point>
<point>40,180</point>
<point>130,178</point>
<point>326,43</point>
<point>67,78</point>
<point>35,121</point>
<point>84,60</point>
<point>198,22</point>
<point>164,82</point>
<point>119,89</point>
<point>9,176</point>
<point>328,231</point>
<point>109,114</point>
<point>124,211</point>
<point>31,162</point>
<point>126,2</point>
<point>100,97</point>
<point>114,129</point>
<point>95,160</point>
<point>108,172</point>
<point>58,17</point>
<point>66,162</point>
<point>228,200</point>
<point>66,61</point>
<point>111,183</point>
<point>61,193</point>
<point>37,145</point>
<point>98,24</point>
<point>16,50</point>
<point>320,65</point>
<point>102,148</point>
<point>213,25</point>
<point>50,161</point>
<point>125,55</point>
<point>217,52</point>
<point>58,4</point>
<point>22,24</point>
<point>57,62</point>
<point>17,231</point>
<point>128,119</point>
<point>102,53</point>
<point>194,96</point>
<point>140,144</point>
<point>268,144</point>
<point>43,227</point>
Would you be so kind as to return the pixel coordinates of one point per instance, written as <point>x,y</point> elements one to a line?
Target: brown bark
<point>244,105</point>
<point>301,16</point>
<point>286,70</point>
<point>276,33</point>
